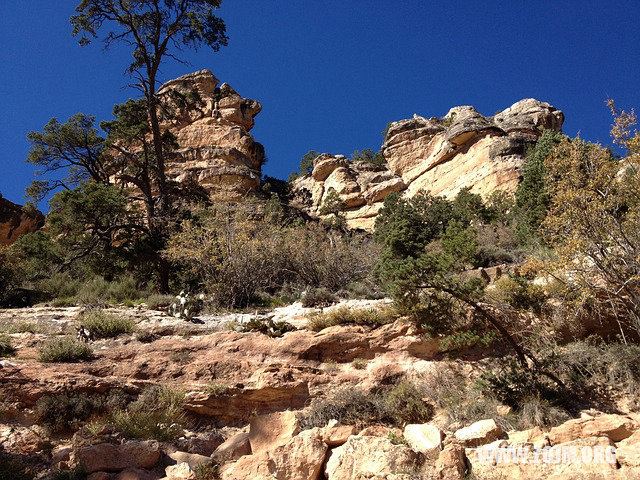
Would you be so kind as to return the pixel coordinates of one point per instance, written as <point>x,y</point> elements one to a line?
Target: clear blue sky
<point>331,74</point>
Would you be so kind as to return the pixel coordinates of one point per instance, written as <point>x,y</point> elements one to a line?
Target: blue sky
<point>331,74</point>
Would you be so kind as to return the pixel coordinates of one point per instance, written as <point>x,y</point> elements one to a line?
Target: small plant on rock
<point>268,327</point>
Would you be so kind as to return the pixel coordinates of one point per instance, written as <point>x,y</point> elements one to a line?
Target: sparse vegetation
<point>6,346</point>
<point>268,327</point>
<point>158,301</point>
<point>68,412</point>
<point>318,297</point>
<point>156,414</point>
<point>398,405</point>
<point>64,350</point>
<point>106,325</point>
<point>350,316</point>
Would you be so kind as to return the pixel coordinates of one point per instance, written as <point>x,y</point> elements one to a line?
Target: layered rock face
<point>15,221</point>
<point>439,155</point>
<point>216,149</point>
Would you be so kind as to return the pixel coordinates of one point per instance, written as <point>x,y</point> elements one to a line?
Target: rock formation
<point>16,221</point>
<point>216,149</point>
<point>439,155</point>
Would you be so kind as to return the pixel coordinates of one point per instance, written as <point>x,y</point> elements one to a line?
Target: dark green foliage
<point>206,471</point>
<point>75,147</point>
<point>396,406</point>
<point>369,156</point>
<point>306,165</point>
<point>68,412</point>
<point>532,198</point>
<point>332,203</point>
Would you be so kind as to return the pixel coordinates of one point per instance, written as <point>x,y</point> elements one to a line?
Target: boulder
<point>424,438</point>
<point>365,457</point>
<point>335,435</point>
<point>191,459</point>
<point>614,427</point>
<point>479,433</point>
<point>99,476</point>
<point>135,474</point>
<point>452,463</point>
<point>301,458</point>
<point>628,451</point>
<point>107,457</point>
<point>201,443</point>
<point>266,432</point>
<point>181,471</point>
<point>233,448</point>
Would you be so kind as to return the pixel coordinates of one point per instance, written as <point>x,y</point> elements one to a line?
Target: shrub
<point>186,306</point>
<point>369,156</point>
<point>158,301</point>
<point>206,471</point>
<point>145,336</point>
<point>351,316</point>
<point>67,412</point>
<point>216,388</point>
<point>318,297</point>
<point>64,350</point>
<point>106,325</point>
<point>156,414</point>
<point>15,467</point>
<point>268,327</point>
<point>98,291</point>
<point>21,327</point>
<point>519,293</point>
<point>397,406</point>
<point>466,402</point>
<point>6,347</point>
<point>236,255</point>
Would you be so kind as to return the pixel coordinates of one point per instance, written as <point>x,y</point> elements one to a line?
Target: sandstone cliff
<point>216,149</point>
<point>439,155</point>
<point>15,221</point>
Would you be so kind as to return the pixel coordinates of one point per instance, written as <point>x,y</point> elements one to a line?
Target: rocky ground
<point>244,396</point>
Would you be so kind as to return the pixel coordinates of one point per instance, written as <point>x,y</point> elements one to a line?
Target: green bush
<point>105,325</point>
<point>395,406</point>
<point>519,293</point>
<point>64,350</point>
<point>156,414</point>
<point>206,471</point>
<point>145,336</point>
<point>6,347</point>
<point>352,316</point>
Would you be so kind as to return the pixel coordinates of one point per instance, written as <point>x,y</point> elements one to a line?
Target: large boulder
<point>424,438</point>
<point>108,457</point>
<point>479,433</point>
<point>267,432</point>
<point>366,456</point>
<point>216,149</point>
<point>614,427</point>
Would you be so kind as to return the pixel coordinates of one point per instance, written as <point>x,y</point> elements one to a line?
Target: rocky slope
<point>439,155</point>
<point>216,149</point>
<point>15,221</point>
<point>245,394</point>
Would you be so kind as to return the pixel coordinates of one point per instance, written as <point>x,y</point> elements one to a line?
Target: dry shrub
<point>235,253</point>
<point>397,406</point>
<point>352,316</point>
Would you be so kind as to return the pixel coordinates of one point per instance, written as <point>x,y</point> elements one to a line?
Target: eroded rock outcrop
<point>216,149</point>
<point>15,221</point>
<point>464,149</point>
